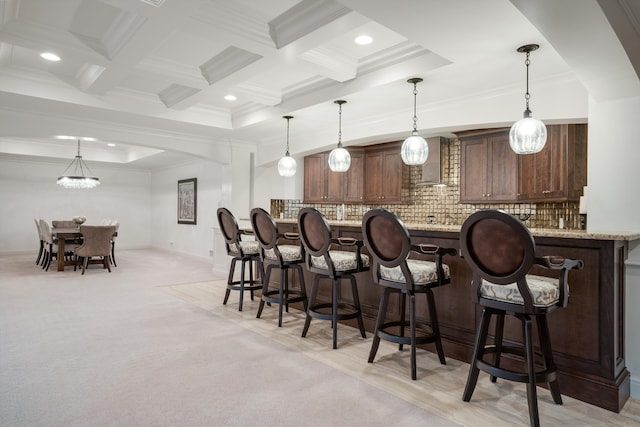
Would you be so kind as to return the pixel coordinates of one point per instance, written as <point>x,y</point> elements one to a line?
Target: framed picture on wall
<point>187,200</point>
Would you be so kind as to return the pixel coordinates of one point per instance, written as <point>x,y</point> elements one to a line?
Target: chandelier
<point>527,135</point>
<point>78,179</point>
<point>339,158</point>
<point>415,149</point>
<point>287,164</point>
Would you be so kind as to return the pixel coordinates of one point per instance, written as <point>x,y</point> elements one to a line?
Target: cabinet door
<point>502,179</point>
<point>314,178</point>
<point>558,172</point>
<point>354,178</point>
<point>335,185</point>
<point>473,169</point>
<point>391,176</point>
<point>373,180</point>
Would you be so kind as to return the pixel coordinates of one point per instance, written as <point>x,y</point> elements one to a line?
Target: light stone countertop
<point>538,232</point>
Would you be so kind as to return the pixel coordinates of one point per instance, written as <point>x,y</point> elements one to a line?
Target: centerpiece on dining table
<point>79,220</point>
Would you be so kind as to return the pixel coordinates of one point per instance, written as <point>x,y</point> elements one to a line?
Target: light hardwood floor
<point>438,387</point>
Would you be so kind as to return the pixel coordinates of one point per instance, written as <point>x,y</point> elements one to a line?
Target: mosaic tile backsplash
<point>439,205</point>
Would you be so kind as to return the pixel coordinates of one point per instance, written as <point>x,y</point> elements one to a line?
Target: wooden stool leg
<point>498,342</point>
<point>243,266</point>
<point>412,331</point>
<point>403,308</point>
<point>478,350</point>
<point>312,302</point>
<point>265,288</point>
<point>334,311</point>
<point>384,303</point>
<point>232,269</point>
<point>356,303</point>
<point>435,326</point>
<point>284,284</point>
<point>547,352</point>
<point>532,396</point>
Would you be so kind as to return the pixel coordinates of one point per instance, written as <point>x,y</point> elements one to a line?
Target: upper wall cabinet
<point>321,184</point>
<point>488,167</point>
<point>491,172</point>
<point>558,172</point>
<point>376,175</point>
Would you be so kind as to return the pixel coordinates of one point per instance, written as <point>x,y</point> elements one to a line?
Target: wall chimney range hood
<point>431,169</point>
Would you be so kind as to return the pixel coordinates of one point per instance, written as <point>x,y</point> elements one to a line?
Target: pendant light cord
<point>339,125</point>
<point>415,115</point>
<point>527,95</point>
<point>287,153</point>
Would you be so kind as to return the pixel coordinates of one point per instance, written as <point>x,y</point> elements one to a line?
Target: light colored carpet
<point>120,349</point>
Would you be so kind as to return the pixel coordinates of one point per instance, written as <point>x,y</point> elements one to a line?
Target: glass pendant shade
<point>528,135</point>
<point>339,158</point>
<point>415,150</point>
<point>287,164</point>
<point>77,180</point>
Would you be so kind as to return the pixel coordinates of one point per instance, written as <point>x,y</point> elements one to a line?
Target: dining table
<point>63,235</point>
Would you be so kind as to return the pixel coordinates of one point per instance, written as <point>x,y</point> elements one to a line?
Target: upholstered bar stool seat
<point>501,253</point>
<point>325,258</point>
<point>245,251</point>
<point>388,241</point>
<point>283,256</point>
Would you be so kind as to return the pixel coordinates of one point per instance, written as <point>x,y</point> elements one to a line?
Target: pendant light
<point>415,149</point>
<point>528,135</point>
<point>287,164</point>
<point>78,179</point>
<point>339,158</point>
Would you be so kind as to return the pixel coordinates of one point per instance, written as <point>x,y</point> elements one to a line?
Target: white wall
<point>28,190</point>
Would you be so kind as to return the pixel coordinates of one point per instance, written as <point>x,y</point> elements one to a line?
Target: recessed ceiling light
<point>230,97</point>
<point>363,39</point>
<point>111,144</point>
<point>49,56</point>
<point>65,137</point>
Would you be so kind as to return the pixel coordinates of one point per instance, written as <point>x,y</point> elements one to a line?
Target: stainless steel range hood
<point>431,169</point>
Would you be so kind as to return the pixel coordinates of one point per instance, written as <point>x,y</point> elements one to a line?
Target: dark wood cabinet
<point>321,184</point>
<point>384,170</point>
<point>376,175</point>
<point>558,172</point>
<point>488,168</point>
<point>354,177</point>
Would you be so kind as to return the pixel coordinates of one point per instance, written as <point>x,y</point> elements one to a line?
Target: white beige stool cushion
<point>288,252</point>
<point>422,272</point>
<point>249,247</point>
<point>544,290</point>
<point>342,260</point>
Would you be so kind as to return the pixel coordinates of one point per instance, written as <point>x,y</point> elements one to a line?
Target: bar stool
<point>327,262</point>
<point>247,252</point>
<point>501,252</point>
<point>389,243</point>
<point>282,256</point>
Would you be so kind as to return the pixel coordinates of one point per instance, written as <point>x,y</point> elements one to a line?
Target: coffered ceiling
<point>151,76</point>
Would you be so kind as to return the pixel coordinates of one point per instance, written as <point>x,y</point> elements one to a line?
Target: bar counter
<point>587,336</point>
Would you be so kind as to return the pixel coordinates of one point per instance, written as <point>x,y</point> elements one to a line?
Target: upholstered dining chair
<point>275,252</point>
<point>41,248</point>
<point>501,252</point>
<point>245,251</point>
<point>96,243</point>
<point>116,225</point>
<point>51,246</point>
<point>389,243</point>
<point>325,256</point>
